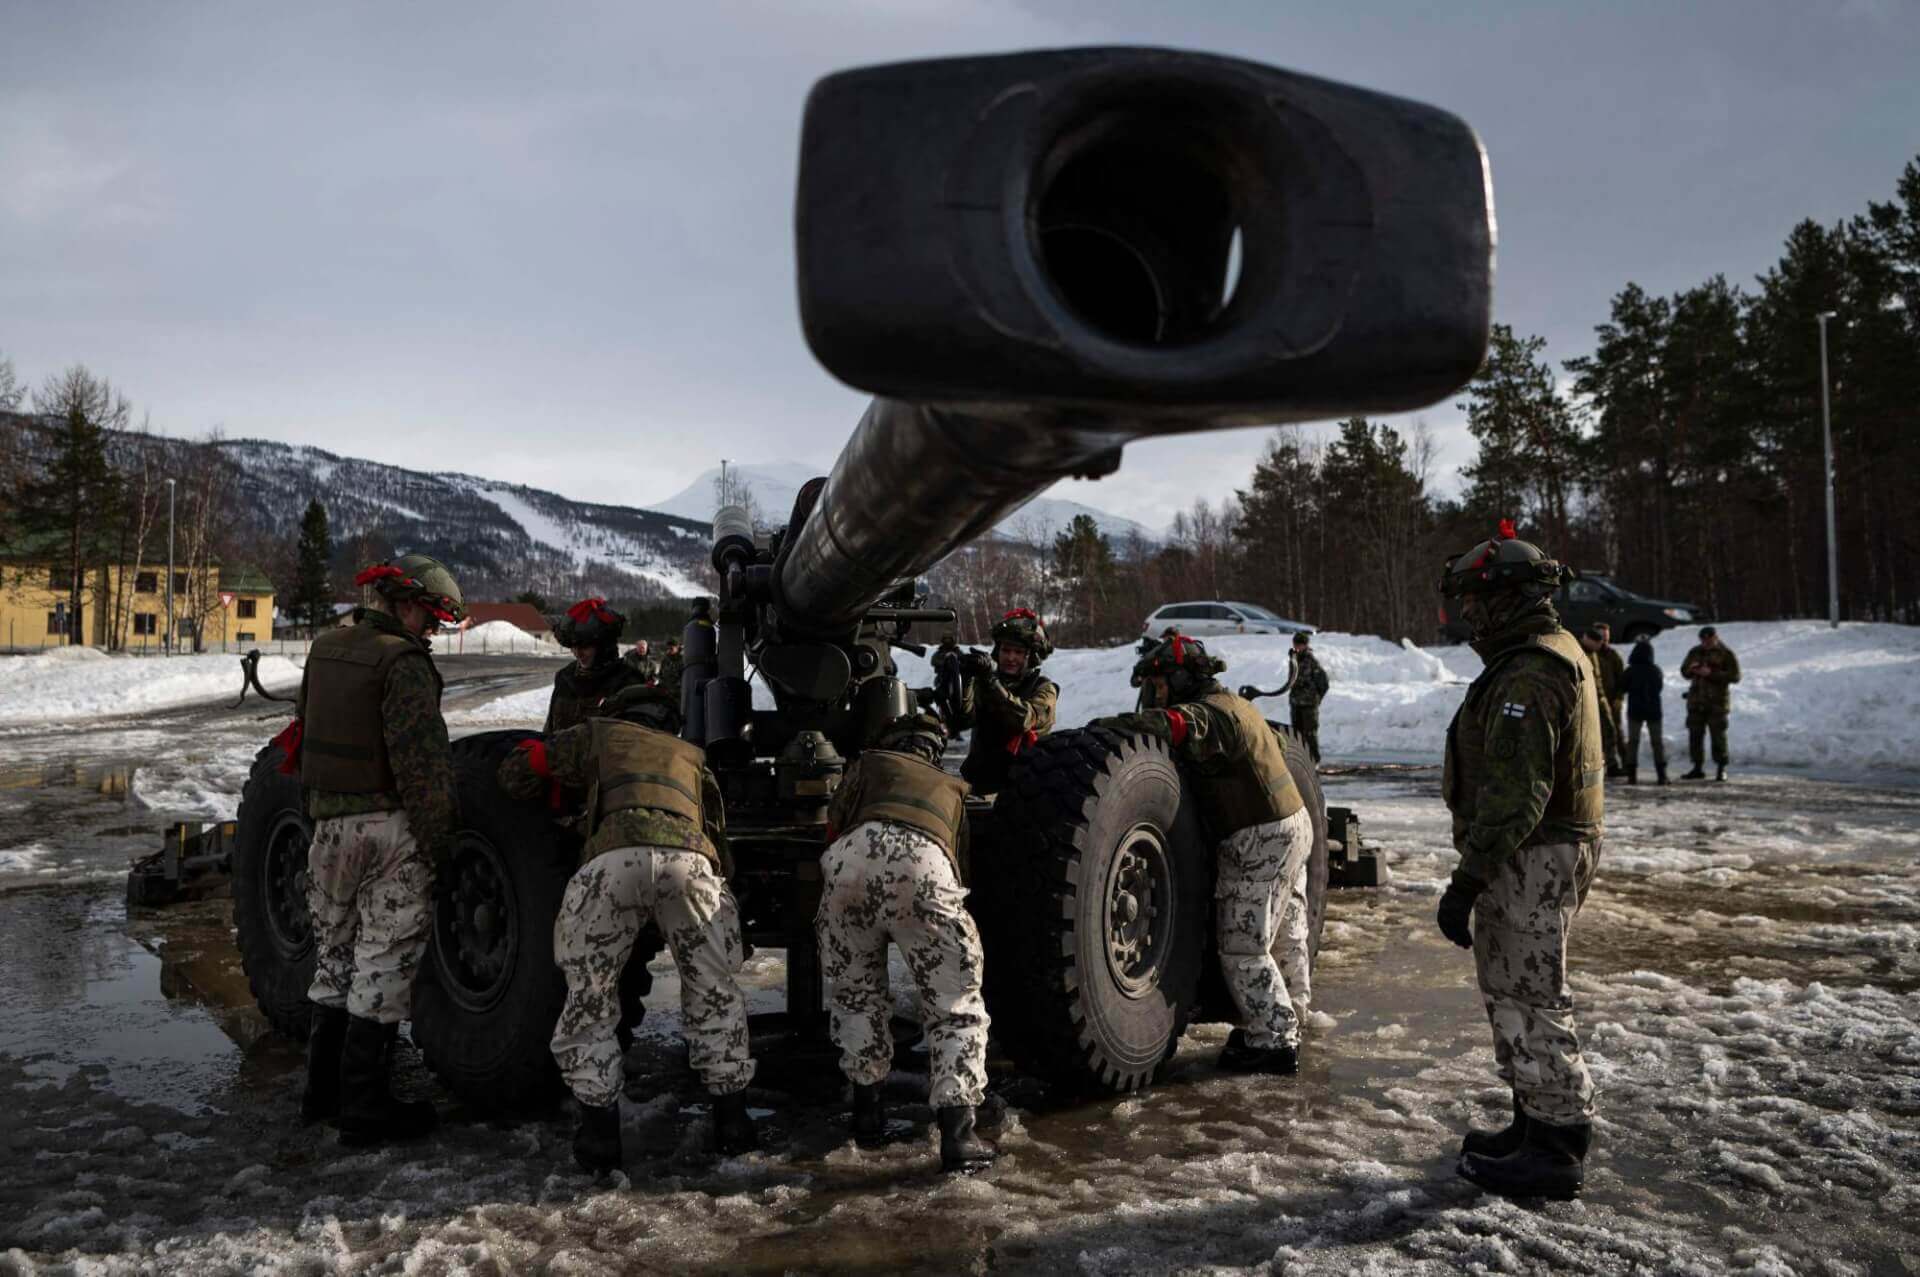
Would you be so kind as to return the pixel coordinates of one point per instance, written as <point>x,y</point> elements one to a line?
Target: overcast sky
<point>553,243</point>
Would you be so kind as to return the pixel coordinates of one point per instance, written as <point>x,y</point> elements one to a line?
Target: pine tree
<point>312,592</point>
<point>1531,461</point>
<point>76,496</point>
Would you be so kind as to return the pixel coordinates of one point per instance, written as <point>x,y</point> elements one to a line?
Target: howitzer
<point>1031,261</point>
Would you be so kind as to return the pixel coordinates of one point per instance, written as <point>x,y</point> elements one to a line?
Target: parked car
<point>1203,620</point>
<point>1595,596</point>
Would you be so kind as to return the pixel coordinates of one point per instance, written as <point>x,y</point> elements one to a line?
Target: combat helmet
<point>1503,563</point>
<point>645,704</point>
<point>1184,662</point>
<point>591,623</point>
<point>421,578</point>
<point>921,734</point>
<point>1023,628</point>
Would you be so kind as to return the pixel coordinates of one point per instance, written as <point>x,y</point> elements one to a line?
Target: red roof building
<point>523,615</point>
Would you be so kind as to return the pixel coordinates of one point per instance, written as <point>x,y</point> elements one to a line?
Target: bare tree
<point>730,487</point>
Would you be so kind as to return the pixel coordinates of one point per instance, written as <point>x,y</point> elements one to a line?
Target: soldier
<point>672,664</point>
<point>1710,668</point>
<point>1525,782</point>
<point>1309,689</point>
<point>899,827</point>
<point>656,852</point>
<point>1642,684</point>
<point>1608,670</point>
<point>947,693</point>
<point>371,750</point>
<point>1147,644</point>
<point>592,630</point>
<point>1005,699</point>
<point>1251,808</point>
<point>642,661</point>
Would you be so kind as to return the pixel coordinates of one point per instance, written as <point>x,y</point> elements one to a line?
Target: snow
<point>498,638</point>
<point>574,541</point>
<point>68,684</point>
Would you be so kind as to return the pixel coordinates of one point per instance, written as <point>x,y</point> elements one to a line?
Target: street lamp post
<point>1826,438</point>
<point>167,647</point>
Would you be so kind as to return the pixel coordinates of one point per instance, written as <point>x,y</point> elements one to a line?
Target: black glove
<point>1456,907</point>
<point>976,665</point>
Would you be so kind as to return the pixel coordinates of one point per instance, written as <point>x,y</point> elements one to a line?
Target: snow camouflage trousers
<point>1260,897</point>
<point>884,882</point>
<point>370,894</point>
<point>610,900</point>
<point>1520,926</point>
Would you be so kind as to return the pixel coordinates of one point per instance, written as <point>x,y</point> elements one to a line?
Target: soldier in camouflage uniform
<point>643,662</point>
<point>898,826</point>
<point>1710,669</point>
<point>1525,781</point>
<point>1610,675</point>
<point>371,751</point>
<point>592,630</point>
<point>673,664</point>
<point>656,853</point>
<point>1309,689</point>
<point>1233,764</point>
<point>1005,699</point>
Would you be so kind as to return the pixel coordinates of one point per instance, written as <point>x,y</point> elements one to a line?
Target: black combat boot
<point>960,1148</point>
<point>733,1129</point>
<point>869,1119</point>
<point>1550,1162</point>
<point>1633,774</point>
<point>1698,773</point>
<point>326,1038</point>
<point>1661,769</point>
<point>596,1137</point>
<point>1498,1143</point>
<point>1720,772</point>
<point>1238,1057</point>
<point>369,1112</point>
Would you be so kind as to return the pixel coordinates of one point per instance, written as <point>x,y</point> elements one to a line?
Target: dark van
<point>1597,597</point>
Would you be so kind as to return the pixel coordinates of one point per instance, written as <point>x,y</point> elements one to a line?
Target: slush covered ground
<point>1747,970</point>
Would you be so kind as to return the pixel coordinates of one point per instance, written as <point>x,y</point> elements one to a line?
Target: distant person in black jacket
<point>1642,682</point>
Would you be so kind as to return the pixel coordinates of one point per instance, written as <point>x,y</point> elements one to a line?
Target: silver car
<point>1203,620</point>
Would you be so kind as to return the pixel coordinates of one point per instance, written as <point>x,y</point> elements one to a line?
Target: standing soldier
<point>1608,671</point>
<point>1524,780</point>
<point>655,853</point>
<point>372,753</point>
<point>592,630</point>
<point>642,661</point>
<point>672,665</point>
<point>1710,668</point>
<point>1309,689</point>
<point>899,827</point>
<point>1253,811</point>
<point>1642,683</point>
<point>1007,701</point>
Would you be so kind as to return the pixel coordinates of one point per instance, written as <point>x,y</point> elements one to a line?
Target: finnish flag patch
<point>1513,709</point>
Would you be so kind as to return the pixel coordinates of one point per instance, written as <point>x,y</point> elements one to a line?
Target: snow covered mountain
<point>776,483</point>
<point>500,538</point>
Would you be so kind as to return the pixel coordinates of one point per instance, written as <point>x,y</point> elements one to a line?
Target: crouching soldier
<point>1006,700</point>
<point>592,630</point>
<point>1233,762</point>
<point>656,845</point>
<point>899,826</point>
<point>371,750</point>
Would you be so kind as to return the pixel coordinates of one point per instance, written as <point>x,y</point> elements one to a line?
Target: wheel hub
<point>1138,911</point>
<point>474,927</point>
<point>285,883</point>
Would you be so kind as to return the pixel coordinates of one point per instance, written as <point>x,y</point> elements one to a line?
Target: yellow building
<point>125,606</point>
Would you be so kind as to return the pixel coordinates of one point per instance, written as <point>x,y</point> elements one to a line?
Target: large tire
<point>488,993</point>
<point>270,894</point>
<point>1093,901</point>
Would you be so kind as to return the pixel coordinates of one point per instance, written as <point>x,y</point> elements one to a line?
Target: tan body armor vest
<point>908,790</point>
<point>1255,789</point>
<point>344,746</point>
<point>1577,807</point>
<point>641,767</point>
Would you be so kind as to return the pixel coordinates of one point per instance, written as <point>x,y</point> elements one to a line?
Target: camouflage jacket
<point>1612,671</point>
<point>647,667</point>
<point>1232,761</point>
<point>1006,716</point>
<point>417,749</point>
<point>672,665</point>
<point>1309,680</point>
<point>577,692</point>
<point>571,764</point>
<point>1710,672</point>
<point>1524,762</point>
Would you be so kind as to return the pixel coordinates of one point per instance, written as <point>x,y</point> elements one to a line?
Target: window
<point>245,636</point>
<point>1220,612</point>
<point>56,622</point>
<point>146,623</point>
<point>147,583</point>
<point>244,609</point>
<point>60,578</point>
<point>1184,612</point>
<point>1583,592</point>
<point>179,582</point>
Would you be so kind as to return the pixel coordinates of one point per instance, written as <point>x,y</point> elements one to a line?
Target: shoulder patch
<point>1513,709</point>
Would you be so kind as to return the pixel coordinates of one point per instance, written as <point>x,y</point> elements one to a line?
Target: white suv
<point>1201,620</point>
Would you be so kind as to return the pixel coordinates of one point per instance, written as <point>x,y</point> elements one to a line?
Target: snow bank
<point>501,638</point>
<point>77,683</point>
